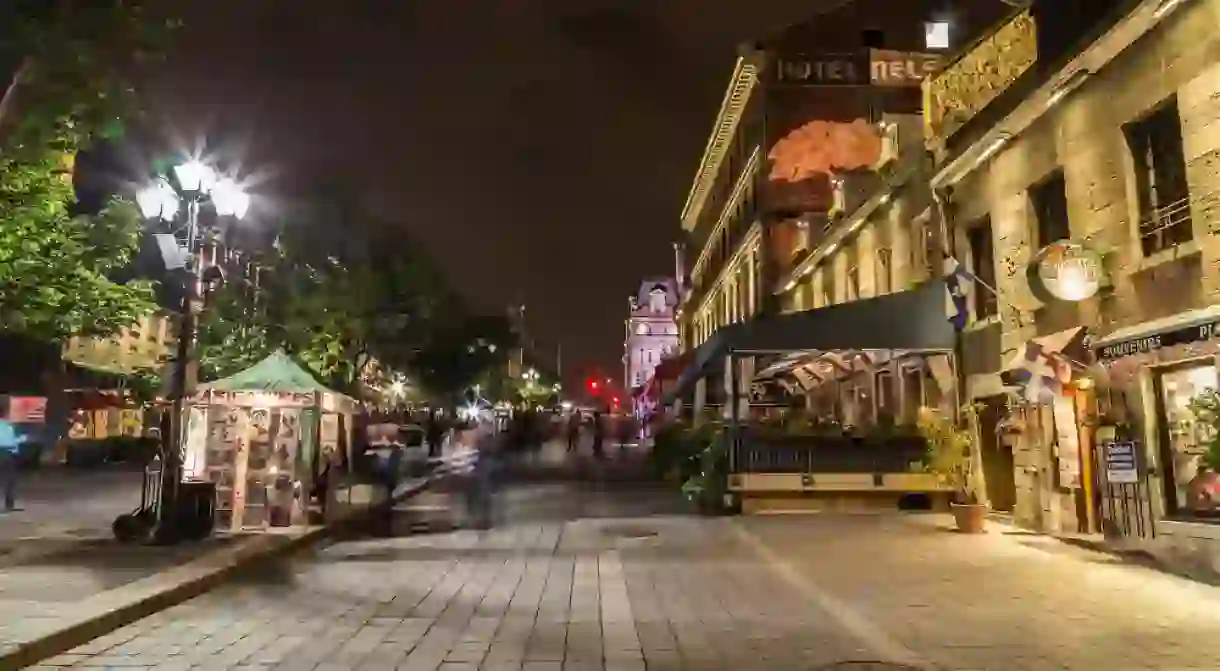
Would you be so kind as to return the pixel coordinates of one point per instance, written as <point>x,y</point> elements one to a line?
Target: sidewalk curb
<point>79,633</point>
<point>200,579</point>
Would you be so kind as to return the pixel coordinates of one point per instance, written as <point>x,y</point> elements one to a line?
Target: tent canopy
<point>276,373</point>
<point>907,320</point>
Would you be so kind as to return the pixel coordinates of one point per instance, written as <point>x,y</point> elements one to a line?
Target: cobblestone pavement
<point>58,503</point>
<point>554,592</point>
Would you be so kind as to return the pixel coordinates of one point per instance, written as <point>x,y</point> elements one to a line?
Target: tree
<point>70,62</point>
<point>461,354</point>
<point>335,307</point>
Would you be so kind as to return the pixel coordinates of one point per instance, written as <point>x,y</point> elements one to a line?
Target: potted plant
<point>949,457</point>
<point>707,486</point>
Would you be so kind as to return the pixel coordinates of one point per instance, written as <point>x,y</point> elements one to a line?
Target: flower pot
<point>970,517</point>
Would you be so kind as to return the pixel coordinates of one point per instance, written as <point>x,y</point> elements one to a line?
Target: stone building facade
<point>1118,149</point>
<point>651,330</point>
<point>1111,142</point>
<point>801,131</point>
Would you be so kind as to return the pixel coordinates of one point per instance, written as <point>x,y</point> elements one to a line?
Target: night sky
<point>541,149</point>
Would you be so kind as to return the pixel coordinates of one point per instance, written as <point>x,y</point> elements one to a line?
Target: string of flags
<point>959,285</point>
<point>1039,375</point>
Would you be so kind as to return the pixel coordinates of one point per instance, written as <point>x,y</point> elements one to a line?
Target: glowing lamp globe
<point>1068,271</point>
<point>158,201</point>
<point>229,198</point>
<point>195,177</point>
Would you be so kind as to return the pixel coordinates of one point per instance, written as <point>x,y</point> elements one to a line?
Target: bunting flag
<point>1034,373</point>
<point>958,286</point>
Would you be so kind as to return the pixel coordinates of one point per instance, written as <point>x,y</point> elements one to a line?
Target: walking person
<point>573,431</point>
<point>11,440</point>
<point>435,435</point>
<point>599,435</point>
<point>480,494</point>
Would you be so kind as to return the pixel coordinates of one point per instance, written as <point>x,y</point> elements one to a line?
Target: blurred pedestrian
<point>434,434</point>
<point>11,440</point>
<point>599,435</point>
<point>481,435</point>
<point>573,431</point>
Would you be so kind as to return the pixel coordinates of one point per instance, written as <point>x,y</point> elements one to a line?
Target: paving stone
<point>554,595</point>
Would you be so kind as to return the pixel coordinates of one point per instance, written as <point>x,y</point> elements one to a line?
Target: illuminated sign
<point>876,67</point>
<point>1066,271</point>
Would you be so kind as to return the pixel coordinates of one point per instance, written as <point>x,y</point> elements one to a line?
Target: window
<point>643,329</point>
<point>1183,441</point>
<point>1050,209</point>
<point>1160,178</point>
<point>885,271</point>
<point>982,261</point>
<point>828,285</point>
<point>873,38</point>
<point>887,398</point>
<point>936,35</point>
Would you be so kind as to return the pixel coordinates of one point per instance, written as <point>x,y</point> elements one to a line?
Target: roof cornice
<point>741,85</point>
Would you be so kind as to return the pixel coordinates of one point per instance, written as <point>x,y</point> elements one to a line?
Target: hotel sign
<point>875,67</point>
<point>1181,336</point>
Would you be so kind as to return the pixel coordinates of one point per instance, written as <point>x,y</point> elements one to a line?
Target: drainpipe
<point>978,479</point>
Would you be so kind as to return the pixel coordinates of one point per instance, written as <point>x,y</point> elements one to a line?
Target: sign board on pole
<point>27,409</point>
<point>1120,462</point>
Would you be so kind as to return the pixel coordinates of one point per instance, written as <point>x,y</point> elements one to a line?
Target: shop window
<point>982,261</point>
<point>1160,178</point>
<point>1050,209</point>
<point>1190,489</point>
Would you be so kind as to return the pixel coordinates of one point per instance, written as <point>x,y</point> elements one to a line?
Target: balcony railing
<point>978,75</point>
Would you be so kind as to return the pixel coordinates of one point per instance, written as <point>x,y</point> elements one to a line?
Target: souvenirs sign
<point>1185,335</point>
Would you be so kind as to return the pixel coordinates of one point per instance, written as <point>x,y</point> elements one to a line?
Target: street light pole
<point>174,457</point>
<point>197,182</point>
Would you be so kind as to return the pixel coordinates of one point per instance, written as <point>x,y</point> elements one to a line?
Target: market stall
<point>264,436</point>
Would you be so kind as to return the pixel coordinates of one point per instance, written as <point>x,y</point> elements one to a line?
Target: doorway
<point>998,463</point>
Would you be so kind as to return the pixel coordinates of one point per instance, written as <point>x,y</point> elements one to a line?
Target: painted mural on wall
<point>803,162</point>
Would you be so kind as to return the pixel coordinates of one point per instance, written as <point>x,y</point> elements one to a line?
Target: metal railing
<point>826,454</point>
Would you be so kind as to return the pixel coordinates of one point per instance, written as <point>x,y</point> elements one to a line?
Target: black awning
<point>907,320</point>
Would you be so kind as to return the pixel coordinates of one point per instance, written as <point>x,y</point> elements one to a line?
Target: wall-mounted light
<point>936,34</point>
<point>1165,8</point>
<point>1067,85</point>
<point>993,148</point>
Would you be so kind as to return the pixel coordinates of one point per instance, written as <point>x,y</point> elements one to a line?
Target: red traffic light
<point>592,385</point>
<point>615,399</point>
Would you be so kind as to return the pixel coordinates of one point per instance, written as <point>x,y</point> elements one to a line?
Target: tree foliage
<point>70,63</point>
<point>335,304</point>
<point>462,353</point>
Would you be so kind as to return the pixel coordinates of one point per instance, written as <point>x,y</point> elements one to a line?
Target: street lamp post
<point>197,183</point>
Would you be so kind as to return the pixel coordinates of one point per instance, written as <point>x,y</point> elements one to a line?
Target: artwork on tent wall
<point>257,464</point>
<point>254,455</point>
<point>195,465</point>
<point>328,436</point>
<point>285,495</point>
<point>224,429</point>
